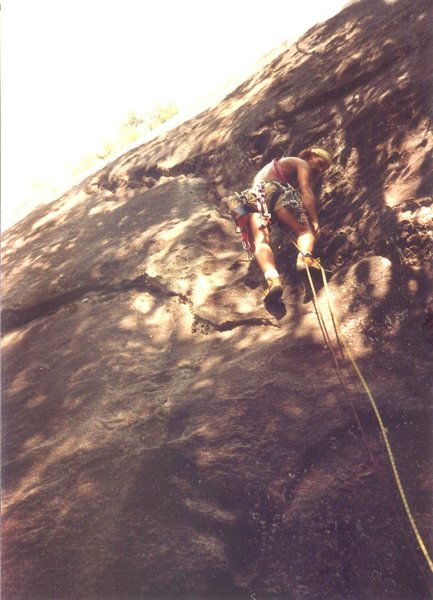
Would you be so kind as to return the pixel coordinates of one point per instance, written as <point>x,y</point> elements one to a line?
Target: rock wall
<point>165,435</point>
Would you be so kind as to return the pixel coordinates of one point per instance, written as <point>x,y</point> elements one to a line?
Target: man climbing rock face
<point>281,191</point>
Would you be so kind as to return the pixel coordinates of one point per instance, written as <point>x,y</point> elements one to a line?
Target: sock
<point>305,255</point>
<point>271,273</point>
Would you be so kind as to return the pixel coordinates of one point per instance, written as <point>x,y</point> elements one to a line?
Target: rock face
<point>166,436</point>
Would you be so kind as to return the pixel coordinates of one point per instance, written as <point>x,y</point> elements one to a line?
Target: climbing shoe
<point>274,291</point>
<point>305,260</point>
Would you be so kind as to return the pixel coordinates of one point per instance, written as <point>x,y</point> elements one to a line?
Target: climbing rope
<point>343,346</point>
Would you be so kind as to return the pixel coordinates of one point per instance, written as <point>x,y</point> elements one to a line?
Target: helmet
<point>322,153</point>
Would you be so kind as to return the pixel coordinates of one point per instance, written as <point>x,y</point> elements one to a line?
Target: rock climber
<point>281,191</point>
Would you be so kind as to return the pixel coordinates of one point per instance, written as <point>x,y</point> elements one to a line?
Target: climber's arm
<point>304,182</point>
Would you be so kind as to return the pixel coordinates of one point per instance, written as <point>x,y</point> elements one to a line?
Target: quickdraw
<point>243,229</point>
<point>241,216</point>
<point>262,207</point>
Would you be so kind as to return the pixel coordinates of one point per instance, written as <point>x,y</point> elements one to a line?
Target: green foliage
<point>133,120</point>
<point>132,129</point>
<point>161,114</point>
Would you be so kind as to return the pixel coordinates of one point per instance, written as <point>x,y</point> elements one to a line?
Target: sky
<point>72,71</point>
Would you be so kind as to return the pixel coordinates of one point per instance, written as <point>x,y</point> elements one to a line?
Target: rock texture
<point>166,436</point>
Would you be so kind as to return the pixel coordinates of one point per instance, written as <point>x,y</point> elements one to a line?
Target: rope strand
<point>343,344</point>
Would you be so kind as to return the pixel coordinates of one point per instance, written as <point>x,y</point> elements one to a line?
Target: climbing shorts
<point>277,195</point>
<point>283,195</point>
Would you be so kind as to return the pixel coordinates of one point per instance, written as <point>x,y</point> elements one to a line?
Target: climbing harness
<point>254,201</point>
<point>291,198</point>
<point>344,349</point>
<point>262,207</point>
